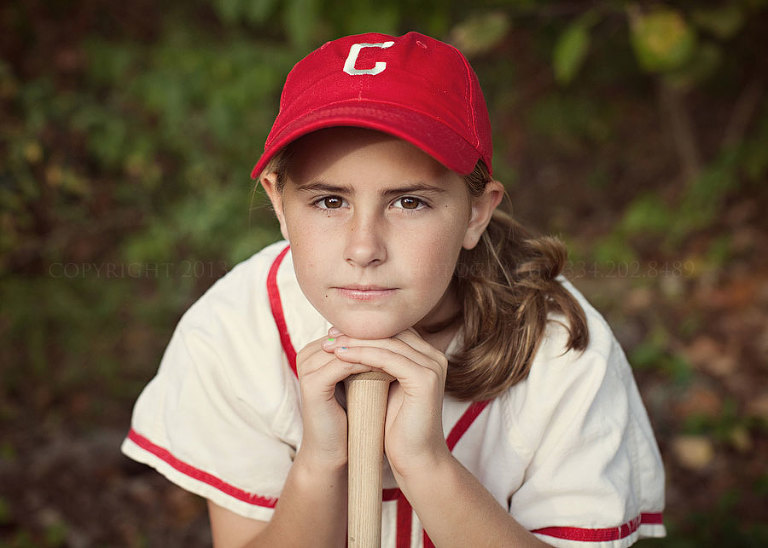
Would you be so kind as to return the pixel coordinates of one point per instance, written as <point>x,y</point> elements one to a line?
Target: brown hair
<point>507,288</point>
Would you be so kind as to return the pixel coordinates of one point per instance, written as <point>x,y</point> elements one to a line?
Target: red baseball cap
<point>414,87</point>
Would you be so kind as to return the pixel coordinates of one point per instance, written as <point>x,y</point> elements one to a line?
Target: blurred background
<point>636,131</point>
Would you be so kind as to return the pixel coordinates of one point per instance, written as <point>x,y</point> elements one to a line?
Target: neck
<point>440,325</point>
<point>441,340</point>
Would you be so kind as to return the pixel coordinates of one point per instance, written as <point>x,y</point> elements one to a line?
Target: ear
<point>482,211</point>
<point>269,182</point>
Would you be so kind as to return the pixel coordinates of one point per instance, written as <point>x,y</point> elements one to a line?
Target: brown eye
<point>409,202</point>
<point>330,202</point>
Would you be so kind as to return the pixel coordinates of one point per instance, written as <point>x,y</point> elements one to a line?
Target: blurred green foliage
<point>126,143</point>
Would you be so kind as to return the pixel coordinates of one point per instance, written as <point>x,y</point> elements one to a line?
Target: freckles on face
<point>375,227</point>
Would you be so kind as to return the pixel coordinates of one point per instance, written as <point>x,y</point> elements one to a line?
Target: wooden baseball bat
<point>366,411</point>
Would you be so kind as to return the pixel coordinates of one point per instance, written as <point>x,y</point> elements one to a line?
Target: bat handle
<point>366,410</point>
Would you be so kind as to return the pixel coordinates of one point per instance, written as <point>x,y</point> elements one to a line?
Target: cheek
<point>434,258</point>
<point>304,236</point>
<point>309,263</point>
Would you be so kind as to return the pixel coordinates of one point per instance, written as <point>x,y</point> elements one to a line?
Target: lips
<point>365,292</point>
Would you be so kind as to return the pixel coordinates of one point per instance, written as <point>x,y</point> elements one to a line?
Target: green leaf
<point>702,65</point>
<point>722,21</point>
<point>480,33</point>
<point>570,51</point>
<point>662,39</point>
<point>647,214</point>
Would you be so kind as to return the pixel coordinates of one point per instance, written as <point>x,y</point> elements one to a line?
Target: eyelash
<point>320,203</point>
<point>421,203</point>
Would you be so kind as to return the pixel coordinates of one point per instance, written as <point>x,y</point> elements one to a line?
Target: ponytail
<point>507,287</point>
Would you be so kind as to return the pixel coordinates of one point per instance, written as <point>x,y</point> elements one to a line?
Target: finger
<point>394,345</point>
<point>323,380</point>
<point>313,356</point>
<point>318,344</point>
<point>412,374</point>
<point>409,337</point>
<point>430,357</point>
<point>310,348</point>
<point>417,342</point>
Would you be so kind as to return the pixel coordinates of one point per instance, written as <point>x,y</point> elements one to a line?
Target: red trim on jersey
<point>656,518</point>
<point>388,495</point>
<point>196,473</point>
<point>404,510</point>
<point>463,424</point>
<point>602,535</point>
<point>404,522</point>
<point>277,309</point>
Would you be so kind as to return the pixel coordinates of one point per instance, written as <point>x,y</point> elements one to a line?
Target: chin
<point>369,329</point>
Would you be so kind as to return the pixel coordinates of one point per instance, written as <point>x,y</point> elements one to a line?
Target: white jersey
<point>569,451</point>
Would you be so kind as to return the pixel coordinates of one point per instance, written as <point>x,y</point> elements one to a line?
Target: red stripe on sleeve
<point>601,535</point>
<point>277,309</point>
<point>652,519</point>
<point>200,475</point>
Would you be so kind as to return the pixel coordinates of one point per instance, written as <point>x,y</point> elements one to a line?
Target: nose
<point>365,245</point>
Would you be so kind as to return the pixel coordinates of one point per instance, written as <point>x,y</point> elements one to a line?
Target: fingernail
<point>327,343</point>
<point>342,349</point>
<point>333,332</point>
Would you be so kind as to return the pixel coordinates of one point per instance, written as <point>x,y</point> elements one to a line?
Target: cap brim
<point>427,133</point>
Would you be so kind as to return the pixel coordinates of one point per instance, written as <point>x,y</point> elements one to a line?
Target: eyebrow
<point>321,186</point>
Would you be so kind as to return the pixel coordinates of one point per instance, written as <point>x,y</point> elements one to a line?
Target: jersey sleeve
<point>220,417</point>
<point>594,475</point>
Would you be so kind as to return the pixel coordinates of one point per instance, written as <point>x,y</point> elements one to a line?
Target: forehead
<point>351,152</point>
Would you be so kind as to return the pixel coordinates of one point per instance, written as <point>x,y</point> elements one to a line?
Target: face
<point>375,227</point>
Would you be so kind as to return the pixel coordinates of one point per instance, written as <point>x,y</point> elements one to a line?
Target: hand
<point>324,440</point>
<point>413,433</point>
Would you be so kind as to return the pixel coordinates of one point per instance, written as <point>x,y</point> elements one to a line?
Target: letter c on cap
<point>354,51</point>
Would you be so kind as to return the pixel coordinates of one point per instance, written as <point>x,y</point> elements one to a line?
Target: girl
<point>514,418</point>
